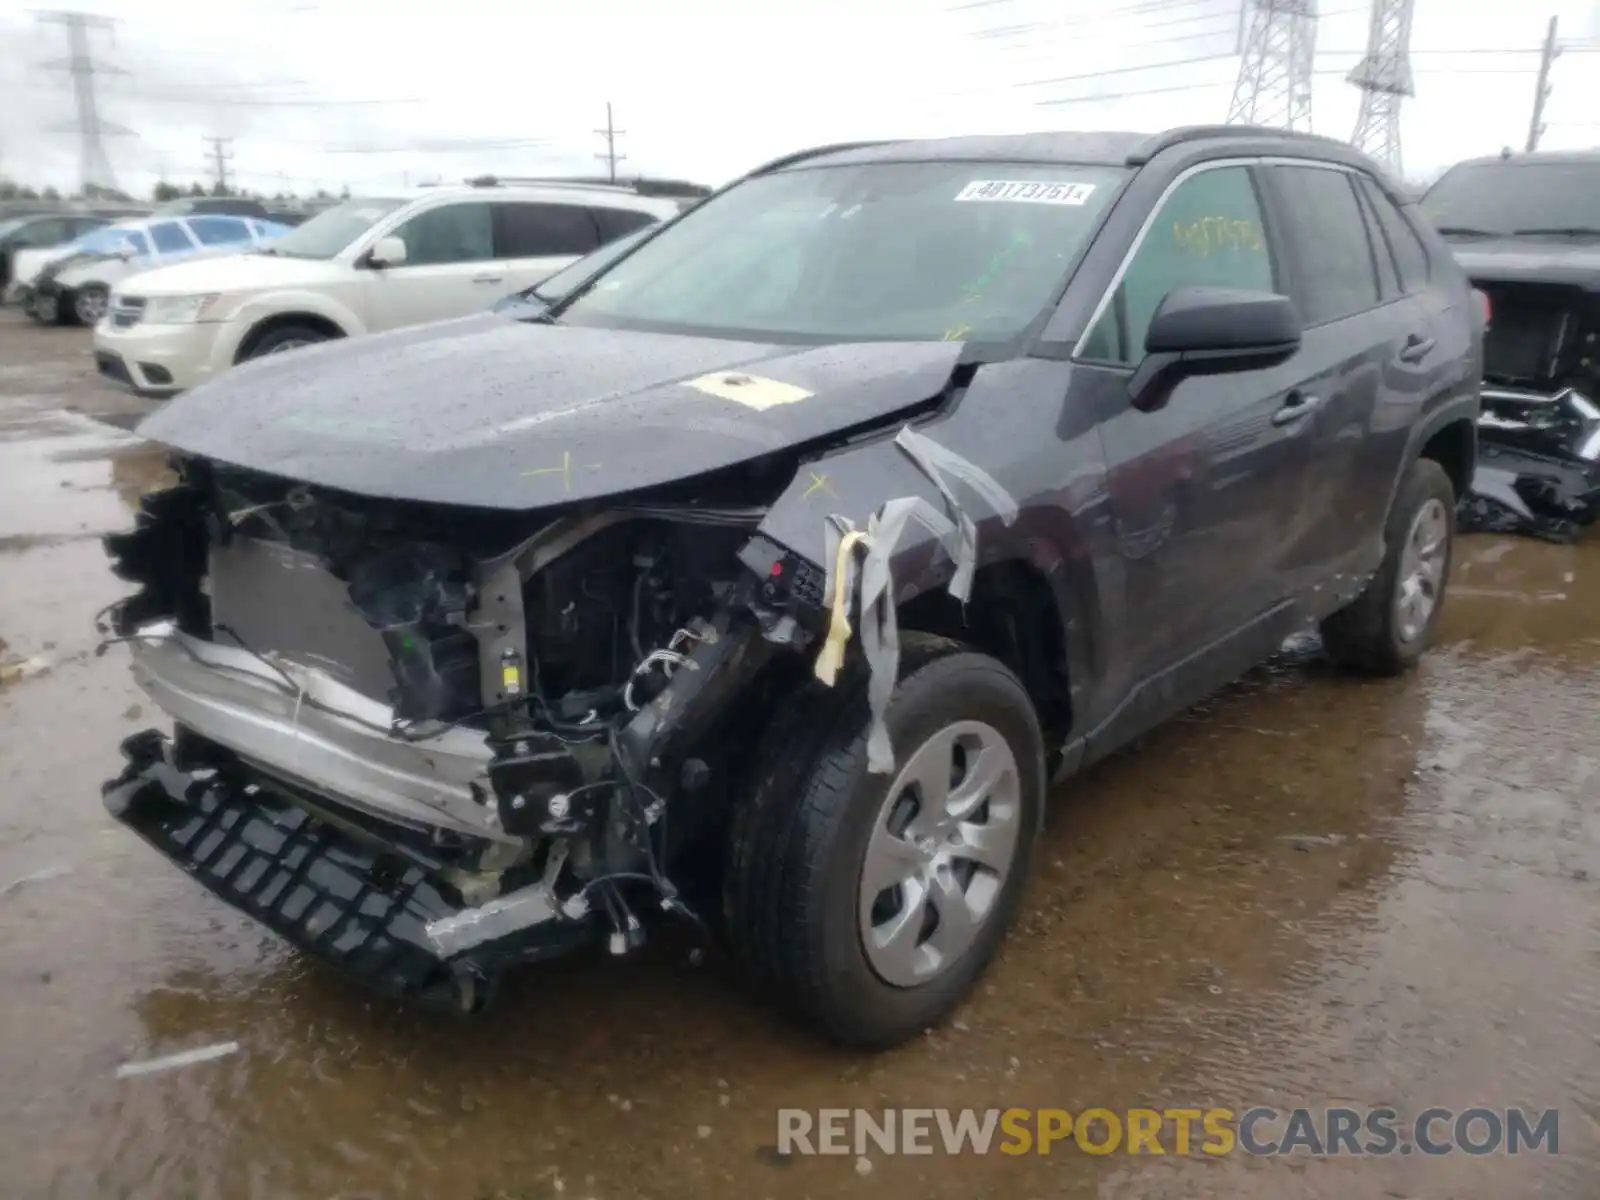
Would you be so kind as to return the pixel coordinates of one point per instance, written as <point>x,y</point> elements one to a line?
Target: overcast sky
<point>358,92</point>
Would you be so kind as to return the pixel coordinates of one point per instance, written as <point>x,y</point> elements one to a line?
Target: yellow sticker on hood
<point>750,390</point>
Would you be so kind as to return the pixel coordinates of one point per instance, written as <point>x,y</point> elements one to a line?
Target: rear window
<point>614,222</point>
<point>220,231</point>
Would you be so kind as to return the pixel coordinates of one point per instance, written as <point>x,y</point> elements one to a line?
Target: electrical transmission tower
<point>1384,77</point>
<point>94,167</point>
<point>1274,85</point>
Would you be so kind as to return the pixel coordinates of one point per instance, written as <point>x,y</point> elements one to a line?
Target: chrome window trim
<point>1183,177</point>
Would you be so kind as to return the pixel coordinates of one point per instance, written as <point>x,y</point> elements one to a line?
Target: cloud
<point>344,91</point>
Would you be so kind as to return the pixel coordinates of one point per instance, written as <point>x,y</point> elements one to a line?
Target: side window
<point>1388,279</point>
<point>141,244</point>
<point>1410,256</point>
<point>45,233</point>
<point>614,222</point>
<point>170,237</point>
<point>545,230</point>
<point>85,225</point>
<point>219,231</point>
<point>454,233</point>
<point>1207,233</point>
<point>1329,237</point>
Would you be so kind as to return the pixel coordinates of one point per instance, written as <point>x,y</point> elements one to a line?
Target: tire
<point>89,304</point>
<point>794,898</point>
<point>46,309</point>
<point>1377,634</point>
<point>285,337</point>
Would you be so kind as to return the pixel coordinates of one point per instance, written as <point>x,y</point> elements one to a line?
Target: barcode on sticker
<point>1025,192</point>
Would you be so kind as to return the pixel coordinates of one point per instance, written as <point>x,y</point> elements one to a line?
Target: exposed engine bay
<point>1539,468</point>
<point>435,741</point>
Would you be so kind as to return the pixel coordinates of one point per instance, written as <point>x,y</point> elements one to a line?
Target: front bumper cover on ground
<point>1539,469</point>
<point>375,915</point>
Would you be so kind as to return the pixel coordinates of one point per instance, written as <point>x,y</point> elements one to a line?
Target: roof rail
<point>549,181</point>
<point>1194,133</point>
<point>788,160</point>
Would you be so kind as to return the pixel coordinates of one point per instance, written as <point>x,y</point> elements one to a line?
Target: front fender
<point>1008,425</point>
<point>268,306</point>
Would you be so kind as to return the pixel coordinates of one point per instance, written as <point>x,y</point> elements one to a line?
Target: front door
<point>1203,492</point>
<point>450,269</point>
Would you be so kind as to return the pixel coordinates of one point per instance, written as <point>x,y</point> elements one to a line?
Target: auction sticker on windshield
<point>1019,191</point>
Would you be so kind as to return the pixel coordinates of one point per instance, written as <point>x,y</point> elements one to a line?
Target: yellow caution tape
<point>831,657</point>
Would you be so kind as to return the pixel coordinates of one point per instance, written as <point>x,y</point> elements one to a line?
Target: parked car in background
<point>232,206</point>
<point>74,286</point>
<point>40,232</point>
<point>1526,228</point>
<point>374,263</point>
<point>776,572</point>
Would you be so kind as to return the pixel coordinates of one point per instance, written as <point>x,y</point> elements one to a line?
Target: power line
<point>1156,66</point>
<point>1158,91</point>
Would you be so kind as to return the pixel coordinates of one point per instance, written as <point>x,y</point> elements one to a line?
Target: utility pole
<point>94,167</point>
<point>611,133</point>
<point>1384,77</point>
<point>1542,88</point>
<point>1274,84</point>
<point>221,156</point>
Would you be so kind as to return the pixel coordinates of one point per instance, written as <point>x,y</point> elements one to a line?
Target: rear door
<point>1203,491</point>
<point>450,270</point>
<point>536,240</point>
<point>1357,362</point>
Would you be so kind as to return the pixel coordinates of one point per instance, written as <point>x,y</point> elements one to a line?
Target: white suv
<point>368,264</point>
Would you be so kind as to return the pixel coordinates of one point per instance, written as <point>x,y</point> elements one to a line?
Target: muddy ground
<point>1311,891</point>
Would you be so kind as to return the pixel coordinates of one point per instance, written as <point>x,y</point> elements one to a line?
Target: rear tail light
<point>1482,300</point>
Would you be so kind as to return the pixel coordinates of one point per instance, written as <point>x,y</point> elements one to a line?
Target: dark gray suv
<point>767,576</point>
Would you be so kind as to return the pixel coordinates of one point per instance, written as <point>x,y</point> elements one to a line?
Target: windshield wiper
<point>266,250</point>
<point>1466,231</point>
<point>1559,231</point>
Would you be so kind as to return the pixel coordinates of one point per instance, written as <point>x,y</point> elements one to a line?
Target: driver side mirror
<point>387,252</point>
<point>1212,331</point>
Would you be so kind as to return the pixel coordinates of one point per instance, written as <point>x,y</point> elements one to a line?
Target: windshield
<point>1515,197</point>
<point>567,279</point>
<point>880,252</point>
<point>330,231</point>
<point>14,223</point>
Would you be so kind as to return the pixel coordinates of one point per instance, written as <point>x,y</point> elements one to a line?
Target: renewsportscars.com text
<point>1256,1131</point>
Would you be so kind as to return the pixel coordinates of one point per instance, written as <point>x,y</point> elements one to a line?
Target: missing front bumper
<point>376,915</point>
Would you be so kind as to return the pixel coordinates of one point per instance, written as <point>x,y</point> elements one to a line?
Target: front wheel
<point>285,337</point>
<point>89,304</point>
<point>1386,629</point>
<point>869,904</point>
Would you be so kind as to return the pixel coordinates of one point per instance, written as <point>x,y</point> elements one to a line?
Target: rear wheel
<point>1386,629</point>
<point>285,337</point>
<point>869,904</point>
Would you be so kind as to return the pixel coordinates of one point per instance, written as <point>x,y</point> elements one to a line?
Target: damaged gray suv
<point>768,577</point>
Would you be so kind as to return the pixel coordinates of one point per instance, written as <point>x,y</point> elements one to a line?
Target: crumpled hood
<point>500,414</point>
<point>1529,260</point>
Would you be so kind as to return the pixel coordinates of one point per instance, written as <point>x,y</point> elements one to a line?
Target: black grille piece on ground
<point>328,893</point>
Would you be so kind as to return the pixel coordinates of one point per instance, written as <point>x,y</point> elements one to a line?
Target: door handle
<point>1296,406</point>
<point>1416,348</point>
<point>488,279</point>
